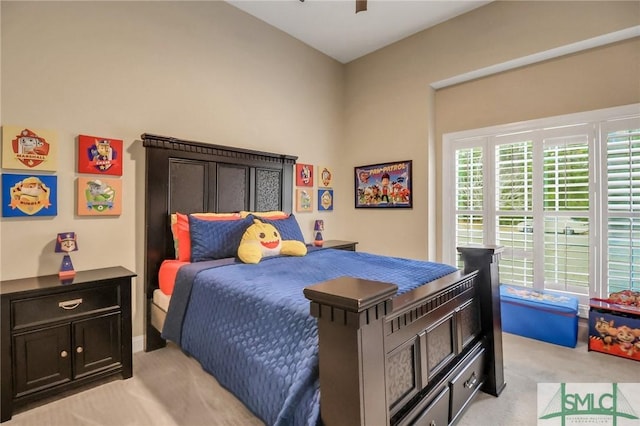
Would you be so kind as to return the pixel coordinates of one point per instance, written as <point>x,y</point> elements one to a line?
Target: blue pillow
<point>216,239</point>
<point>288,228</point>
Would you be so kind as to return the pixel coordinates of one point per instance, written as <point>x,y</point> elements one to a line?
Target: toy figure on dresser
<point>66,243</point>
<point>318,227</point>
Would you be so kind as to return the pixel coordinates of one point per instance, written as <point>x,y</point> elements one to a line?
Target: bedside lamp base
<point>318,241</point>
<point>66,268</point>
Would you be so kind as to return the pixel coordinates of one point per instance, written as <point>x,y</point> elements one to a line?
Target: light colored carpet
<point>529,362</point>
<point>168,388</point>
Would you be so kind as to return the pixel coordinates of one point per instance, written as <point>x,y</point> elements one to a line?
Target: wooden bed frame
<point>417,358</point>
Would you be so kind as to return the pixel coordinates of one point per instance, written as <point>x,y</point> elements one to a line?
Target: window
<point>469,196</point>
<point>621,186</point>
<point>562,195</point>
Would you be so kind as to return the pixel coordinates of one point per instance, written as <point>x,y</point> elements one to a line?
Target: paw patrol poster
<point>304,175</point>
<point>99,197</point>
<point>304,200</point>
<point>386,185</point>
<point>325,200</point>
<point>29,195</point>
<point>325,177</point>
<point>97,155</point>
<point>26,148</point>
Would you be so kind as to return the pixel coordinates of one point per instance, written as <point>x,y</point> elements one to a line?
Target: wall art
<point>325,199</point>
<point>99,197</point>
<point>29,149</point>
<point>304,175</point>
<point>386,185</point>
<point>304,200</point>
<point>325,177</point>
<point>29,195</point>
<point>99,155</point>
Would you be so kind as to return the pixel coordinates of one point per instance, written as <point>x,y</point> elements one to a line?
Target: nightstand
<point>57,336</point>
<point>340,245</point>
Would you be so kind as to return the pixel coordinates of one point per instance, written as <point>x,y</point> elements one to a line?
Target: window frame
<point>597,123</point>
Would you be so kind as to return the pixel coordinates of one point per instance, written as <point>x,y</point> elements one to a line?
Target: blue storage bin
<point>542,315</point>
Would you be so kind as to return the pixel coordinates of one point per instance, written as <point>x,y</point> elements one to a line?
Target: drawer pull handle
<point>63,354</point>
<point>79,349</point>
<point>472,381</point>
<point>70,304</point>
<point>433,423</point>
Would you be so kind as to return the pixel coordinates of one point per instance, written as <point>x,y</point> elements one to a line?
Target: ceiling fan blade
<point>361,5</point>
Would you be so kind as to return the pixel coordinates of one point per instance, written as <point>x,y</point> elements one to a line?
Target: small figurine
<point>66,243</point>
<point>319,226</point>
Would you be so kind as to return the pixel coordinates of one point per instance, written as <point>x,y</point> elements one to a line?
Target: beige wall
<point>199,70</point>
<point>206,71</point>
<point>594,79</point>
<point>390,107</point>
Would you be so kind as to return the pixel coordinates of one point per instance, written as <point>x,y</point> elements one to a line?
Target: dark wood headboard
<point>187,177</point>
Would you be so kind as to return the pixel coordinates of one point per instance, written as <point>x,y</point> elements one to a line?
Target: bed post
<point>485,260</point>
<point>350,313</point>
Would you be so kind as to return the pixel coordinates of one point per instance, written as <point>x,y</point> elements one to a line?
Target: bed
<point>367,348</point>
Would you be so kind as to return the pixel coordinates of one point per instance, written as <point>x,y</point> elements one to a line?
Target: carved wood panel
<point>402,374</point>
<point>187,186</point>
<point>233,188</point>
<point>440,345</point>
<point>268,190</point>
<point>469,319</point>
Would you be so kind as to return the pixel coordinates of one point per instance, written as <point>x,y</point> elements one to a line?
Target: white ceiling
<point>333,27</point>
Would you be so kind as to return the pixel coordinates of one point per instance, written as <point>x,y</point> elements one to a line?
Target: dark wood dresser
<point>56,336</point>
<point>340,245</point>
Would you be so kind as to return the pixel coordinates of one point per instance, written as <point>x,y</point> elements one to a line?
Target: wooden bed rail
<point>357,320</point>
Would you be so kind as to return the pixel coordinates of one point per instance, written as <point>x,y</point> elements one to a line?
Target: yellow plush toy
<point>263,239</point>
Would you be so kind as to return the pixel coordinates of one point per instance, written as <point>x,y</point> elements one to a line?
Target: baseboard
<point>583,322</point>
<point>583,311</point>
<point>137,344</point>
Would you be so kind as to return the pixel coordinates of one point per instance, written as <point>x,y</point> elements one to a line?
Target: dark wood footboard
<point>417,358</point>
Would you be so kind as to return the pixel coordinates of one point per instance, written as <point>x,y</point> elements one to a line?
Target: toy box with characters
<point>540,314</point>
<point>614,324</point>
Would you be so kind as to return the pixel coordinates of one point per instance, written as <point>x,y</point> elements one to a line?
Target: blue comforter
<point>250,327</point>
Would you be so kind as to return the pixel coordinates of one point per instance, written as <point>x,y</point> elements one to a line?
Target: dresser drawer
<point>465,383</point>
<point>437,414</point>
<point>27,312</point>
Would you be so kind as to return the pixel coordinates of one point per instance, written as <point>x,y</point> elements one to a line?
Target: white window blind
<point>514,202</point>
<point>566,195</point>
<point>562,195</point>
<point>623,205</point>
<point>469,195</point>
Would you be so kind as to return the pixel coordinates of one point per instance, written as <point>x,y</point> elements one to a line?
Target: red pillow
<point>181,230</point>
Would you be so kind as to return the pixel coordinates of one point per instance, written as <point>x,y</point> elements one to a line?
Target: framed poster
<point>98,155</point>
<point>29,195</point>
<point>325,177</point>
<point>304,175</point>
<point>304,200</point>
<point>325,199</point>
<point>386,185</point>
<point>99,197</point>
<point>29,149</point>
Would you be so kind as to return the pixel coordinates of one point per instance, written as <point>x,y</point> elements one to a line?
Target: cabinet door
<point>42,359</point>
<point>96,344</point>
